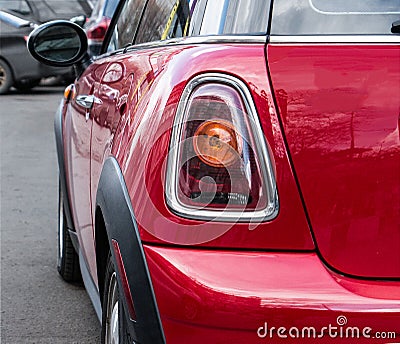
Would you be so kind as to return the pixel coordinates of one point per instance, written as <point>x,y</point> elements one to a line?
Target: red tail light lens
<point>98,32</point>
<point>218,166</point>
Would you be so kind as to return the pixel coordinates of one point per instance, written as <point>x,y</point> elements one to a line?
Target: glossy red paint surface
<point>141,145</point>
<point>225,296</point>
<point>340,108</point>
<point>77,134</point>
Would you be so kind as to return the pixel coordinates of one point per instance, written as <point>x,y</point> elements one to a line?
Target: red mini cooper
<point>230,170</point>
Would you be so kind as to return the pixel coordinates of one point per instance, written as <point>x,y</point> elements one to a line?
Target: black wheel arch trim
<point>120,224</point>
<point>58,119</point>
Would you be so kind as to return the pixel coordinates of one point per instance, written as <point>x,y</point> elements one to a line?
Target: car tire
<point>26,84</point>
<point>114,329</point>
<point>68,260</point>
<point>6,77</point>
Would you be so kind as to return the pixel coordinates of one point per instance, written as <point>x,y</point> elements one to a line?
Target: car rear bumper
<point>207,296</point>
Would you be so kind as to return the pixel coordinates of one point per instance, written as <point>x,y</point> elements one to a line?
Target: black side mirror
<point>60,43</point>
<point>396,27</point>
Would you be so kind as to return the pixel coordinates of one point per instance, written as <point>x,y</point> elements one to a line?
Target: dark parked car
<point>229,170</point>
<point>97,25</point>
<point>40,11</point>
<point>17,20</point>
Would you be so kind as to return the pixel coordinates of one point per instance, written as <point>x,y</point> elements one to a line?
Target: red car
<point>230,170</point>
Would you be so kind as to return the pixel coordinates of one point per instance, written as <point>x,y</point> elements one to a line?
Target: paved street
<point>37,306</point>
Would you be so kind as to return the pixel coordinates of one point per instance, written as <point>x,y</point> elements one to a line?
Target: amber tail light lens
<point>217,143</point>
<point>219,167</point>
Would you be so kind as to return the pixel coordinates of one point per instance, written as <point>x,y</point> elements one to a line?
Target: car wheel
<point>68,260</point>
<point>113,320</point>
<point>26,84</point>
<point>6,78</point>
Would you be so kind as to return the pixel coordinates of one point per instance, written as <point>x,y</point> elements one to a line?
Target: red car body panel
<point>77,129</point>
<point>226,296</point>
<point>340,112</point>
<point>159,76</point>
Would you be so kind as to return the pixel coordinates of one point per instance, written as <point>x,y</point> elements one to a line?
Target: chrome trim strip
<point>171,185</point>
<point>336,39</point>
<point>212,39</point>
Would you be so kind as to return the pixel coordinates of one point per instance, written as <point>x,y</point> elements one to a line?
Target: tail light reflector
<point>219,166</point>
<point>98,32</point>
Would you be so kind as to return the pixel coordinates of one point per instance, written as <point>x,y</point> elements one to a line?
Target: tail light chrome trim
<point>271,209</point>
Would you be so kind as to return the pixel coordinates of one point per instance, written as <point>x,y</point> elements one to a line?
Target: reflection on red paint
<point>341,124</point>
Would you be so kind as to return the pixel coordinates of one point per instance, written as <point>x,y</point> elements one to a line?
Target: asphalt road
<point>37,306</point>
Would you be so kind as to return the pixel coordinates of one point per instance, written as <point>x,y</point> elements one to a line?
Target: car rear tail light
<point>218,166</point>
<point>98,32</point>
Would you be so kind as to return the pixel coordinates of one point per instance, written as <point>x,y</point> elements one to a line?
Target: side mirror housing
<point>60,43</point>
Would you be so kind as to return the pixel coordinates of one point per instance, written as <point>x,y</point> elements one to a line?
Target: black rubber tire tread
<point>68,264</point>
<point>9,80</point>
<point>26,85</point>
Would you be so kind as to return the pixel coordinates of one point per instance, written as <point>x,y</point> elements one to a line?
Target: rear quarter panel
<point>142,140</point>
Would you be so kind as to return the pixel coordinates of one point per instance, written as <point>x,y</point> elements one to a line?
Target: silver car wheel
<point>112,319</point>
<point>6,77</point>
<point>3,75</point>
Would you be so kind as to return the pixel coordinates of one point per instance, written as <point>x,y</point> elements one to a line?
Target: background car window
<point>17,6</point>
<point>98,8</point>
<point>307,17</point>
<point>109,8</point>
<point>230,17</point>
<point>164,19</point>
<point>54,9</point>
<point>126,25</point>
